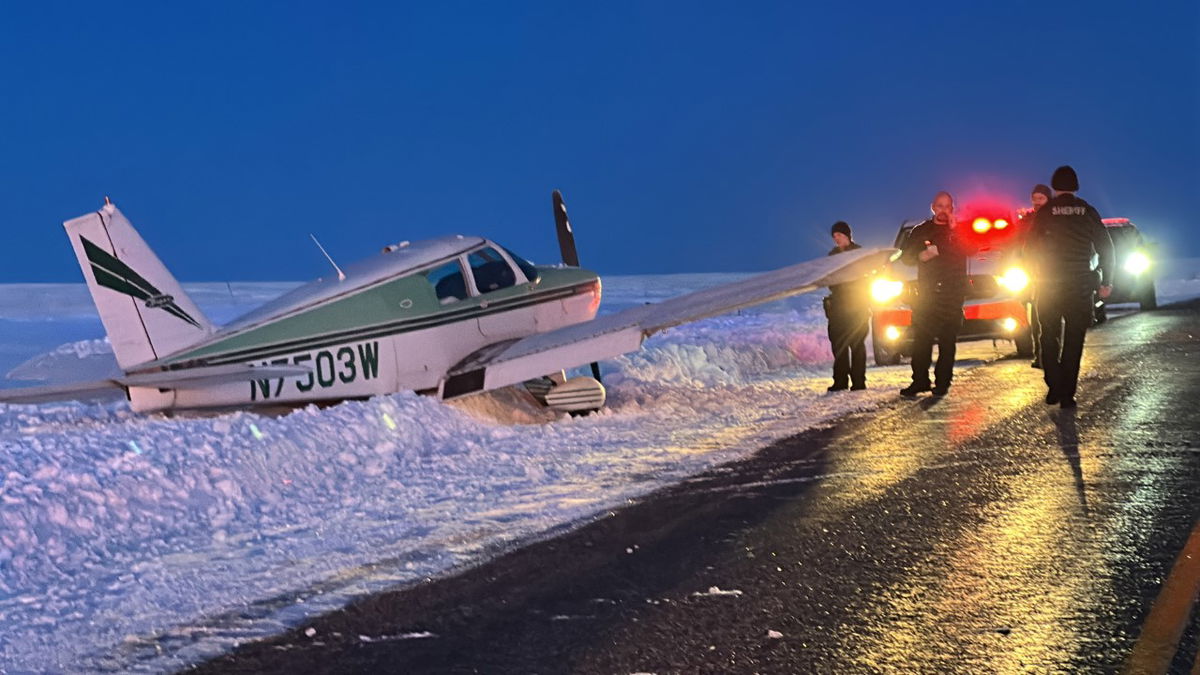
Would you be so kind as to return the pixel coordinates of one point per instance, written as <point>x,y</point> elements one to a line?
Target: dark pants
<point>1035,330</point>
<point>936,319</point>
<point>848,337</point>
<point>1065,313</point>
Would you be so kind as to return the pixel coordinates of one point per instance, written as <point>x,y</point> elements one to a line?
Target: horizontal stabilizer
<point>75,391</point>
<point>189,378</point>
<point>623,332</point>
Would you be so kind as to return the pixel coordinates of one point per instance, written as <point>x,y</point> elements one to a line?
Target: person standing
<point>941,260</point>
<point>1067,232</point>
<point>1037,199</point>
<point>849,312</point>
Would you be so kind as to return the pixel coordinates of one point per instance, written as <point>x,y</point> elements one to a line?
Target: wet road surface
<point>984,532</point>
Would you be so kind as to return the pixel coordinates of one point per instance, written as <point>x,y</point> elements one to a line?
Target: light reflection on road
<point>1012,593</point>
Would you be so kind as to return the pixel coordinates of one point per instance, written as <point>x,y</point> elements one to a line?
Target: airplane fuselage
<point>396,335</point>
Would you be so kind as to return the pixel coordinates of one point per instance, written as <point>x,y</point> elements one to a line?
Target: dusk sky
<point>686,137</point>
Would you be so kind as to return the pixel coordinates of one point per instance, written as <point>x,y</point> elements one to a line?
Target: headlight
<point>891,333</point>
<point>1014,279</point>
<point>1137,262</point>
<point>883,290</point>
<point>1009,324</point>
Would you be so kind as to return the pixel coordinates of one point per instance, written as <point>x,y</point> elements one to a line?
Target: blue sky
<point>686,137</point>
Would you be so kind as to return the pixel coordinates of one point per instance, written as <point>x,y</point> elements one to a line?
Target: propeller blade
<point>566,247</point>
<point>566,236</point>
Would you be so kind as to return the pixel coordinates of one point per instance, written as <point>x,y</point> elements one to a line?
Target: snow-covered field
<point>147,543</point>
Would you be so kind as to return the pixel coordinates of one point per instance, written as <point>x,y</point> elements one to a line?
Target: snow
<point>146,543</point>
<point>716,591</point>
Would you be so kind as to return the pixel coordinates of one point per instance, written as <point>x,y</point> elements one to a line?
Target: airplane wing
<point>187,378</point>
<point>514,361</point>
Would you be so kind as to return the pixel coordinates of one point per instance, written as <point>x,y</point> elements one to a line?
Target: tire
<point>1024,343</point>
<point>1149,299</point>
<point>883,355</point>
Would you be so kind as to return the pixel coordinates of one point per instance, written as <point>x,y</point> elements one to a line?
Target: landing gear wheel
<point>1024,343</point>
<point>883,355</point>
<point>1149,299</point>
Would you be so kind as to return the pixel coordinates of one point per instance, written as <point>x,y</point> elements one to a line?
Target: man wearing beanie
<point>941,259</point>
<point>849,312</point>
<point>1037,198</point>
<point>1066,233</point>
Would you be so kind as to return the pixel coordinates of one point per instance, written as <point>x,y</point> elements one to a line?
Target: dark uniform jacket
<point>946,273</point>
<point>850,296</point>
<point>1066,233</point>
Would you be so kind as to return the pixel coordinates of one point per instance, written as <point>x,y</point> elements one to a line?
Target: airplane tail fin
<point>144,309</point>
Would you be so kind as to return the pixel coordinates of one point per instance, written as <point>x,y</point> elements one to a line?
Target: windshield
<point>1124,237</point>
<point>527,267</point>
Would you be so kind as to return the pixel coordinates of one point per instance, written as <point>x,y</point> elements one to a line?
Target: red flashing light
<point>989,220</point>
<point>1115,221</point>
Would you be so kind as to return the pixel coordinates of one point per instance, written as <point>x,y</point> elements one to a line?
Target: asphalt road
<point>982,533</point>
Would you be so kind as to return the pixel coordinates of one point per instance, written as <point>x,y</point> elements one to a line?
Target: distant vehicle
<point>1133,280</point>
<point>997,286</point>
<point>447,317</point>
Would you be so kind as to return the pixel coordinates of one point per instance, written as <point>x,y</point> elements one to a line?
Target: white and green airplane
<point>449,317</point>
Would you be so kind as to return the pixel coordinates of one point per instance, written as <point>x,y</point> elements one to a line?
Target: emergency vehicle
<point>1133,279</point>
<point>997,296</point>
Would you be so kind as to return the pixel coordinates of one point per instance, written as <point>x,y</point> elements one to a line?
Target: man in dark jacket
<point>941,259</point>
<point>849,312</point>
<point>1067,232</point>
<point>1037,198</point>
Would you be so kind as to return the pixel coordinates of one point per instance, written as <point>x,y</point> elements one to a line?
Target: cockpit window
<point>491,271</point>
<point>527,267</point>
<point>448,282</point>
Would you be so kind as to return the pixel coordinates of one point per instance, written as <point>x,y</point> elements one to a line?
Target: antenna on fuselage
<point>341,274</point>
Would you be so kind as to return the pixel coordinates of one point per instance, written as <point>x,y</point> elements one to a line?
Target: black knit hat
<point>841,226</point>
<point>1040,189</point>
<point>1064,179</point>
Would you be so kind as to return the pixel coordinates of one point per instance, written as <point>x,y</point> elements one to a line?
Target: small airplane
<point>448,317</point>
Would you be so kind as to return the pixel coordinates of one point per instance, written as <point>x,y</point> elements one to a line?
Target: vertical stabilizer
<point>145,311</point>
